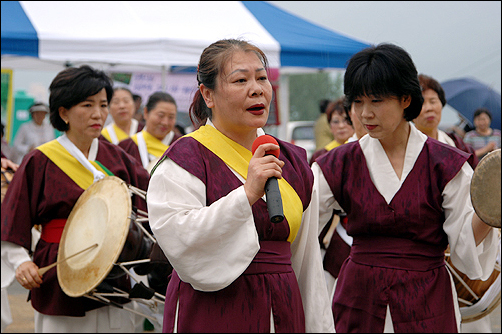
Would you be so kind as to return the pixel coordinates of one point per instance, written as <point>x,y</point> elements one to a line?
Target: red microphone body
<point>272,192</point>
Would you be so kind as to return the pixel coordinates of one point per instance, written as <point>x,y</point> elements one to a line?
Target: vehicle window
<point>303,133</point>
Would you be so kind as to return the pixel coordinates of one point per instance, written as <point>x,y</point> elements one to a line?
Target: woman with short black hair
<point>45,190</point>
<point>404,205</point>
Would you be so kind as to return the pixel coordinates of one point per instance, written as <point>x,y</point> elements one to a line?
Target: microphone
<point>272,192</point>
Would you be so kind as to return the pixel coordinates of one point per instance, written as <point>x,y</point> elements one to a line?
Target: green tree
<point>306,90</point>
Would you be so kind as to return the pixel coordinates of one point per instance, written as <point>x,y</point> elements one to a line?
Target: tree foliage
<point>306,90</point>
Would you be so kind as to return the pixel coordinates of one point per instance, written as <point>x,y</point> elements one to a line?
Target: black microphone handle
<point>274,200</point>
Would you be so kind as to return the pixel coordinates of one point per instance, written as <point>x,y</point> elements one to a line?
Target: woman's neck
<point>244,139</point>
<point>398,140</point>
<point>124,126</point>
<point>485,132</point>
<point>151,133</point>
<point>84,145</point>
<point>433,133</point>
<point>395,147</point>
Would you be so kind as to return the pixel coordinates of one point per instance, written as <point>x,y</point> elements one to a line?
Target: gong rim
<point>485,189</point>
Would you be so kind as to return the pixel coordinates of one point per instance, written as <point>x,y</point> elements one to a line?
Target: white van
<point>301,133</point>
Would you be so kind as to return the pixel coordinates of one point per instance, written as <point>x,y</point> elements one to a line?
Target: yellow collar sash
<point>238,157</point>
<point>332,145</point>
<point>153,145</point>
<point>70,165</point>
<point>119,134</point>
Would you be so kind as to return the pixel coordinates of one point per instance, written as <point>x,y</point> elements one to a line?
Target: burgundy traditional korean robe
<point>269,282</point>
<point>397,256</point>
<point>40,192</point>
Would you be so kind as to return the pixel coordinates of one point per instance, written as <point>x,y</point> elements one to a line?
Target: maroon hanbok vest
<point>52,195</point>
<point>403,240</point>
<point>245,304</point>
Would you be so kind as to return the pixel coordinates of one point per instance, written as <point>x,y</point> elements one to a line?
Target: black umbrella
<point>466,95</point>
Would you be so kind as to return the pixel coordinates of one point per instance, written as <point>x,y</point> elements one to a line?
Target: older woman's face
<point>340,128</point>
<point>242,97</point>
<point>122,107</point>
<point>38,117</point>
<point>86,119</point>
<point>430,116</point>
<point>482,122</point>
<point>161,119</point>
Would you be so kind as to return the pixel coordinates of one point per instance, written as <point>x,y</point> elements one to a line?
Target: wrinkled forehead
<point>242,60</point>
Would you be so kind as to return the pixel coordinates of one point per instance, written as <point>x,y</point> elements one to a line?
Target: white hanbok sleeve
<point>307,263</point>
<point>12,257</point>
<point>208,246</point>
<point>477,262</point>
<point>325,197</point>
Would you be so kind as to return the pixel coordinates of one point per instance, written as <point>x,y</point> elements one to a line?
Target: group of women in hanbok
<point>406,197</point>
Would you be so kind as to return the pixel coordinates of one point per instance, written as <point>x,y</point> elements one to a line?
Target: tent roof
<point>166,33</point>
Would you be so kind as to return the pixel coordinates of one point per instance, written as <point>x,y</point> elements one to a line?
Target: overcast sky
<point>446,39</point>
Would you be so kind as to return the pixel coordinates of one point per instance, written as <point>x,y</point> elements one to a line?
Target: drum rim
<point>76,283</point>
<point>484,306</point>
<point>476,195</point>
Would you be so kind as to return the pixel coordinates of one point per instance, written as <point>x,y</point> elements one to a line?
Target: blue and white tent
<point>158,35</point>
<point>164,33</point>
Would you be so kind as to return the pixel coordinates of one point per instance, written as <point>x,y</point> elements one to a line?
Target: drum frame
<point>472,312</point>
<point>103,297</point>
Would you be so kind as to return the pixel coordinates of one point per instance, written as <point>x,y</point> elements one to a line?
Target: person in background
<point>331,248</point>
<point>404,205</point>
<point>359,130</point>
<point>235,270</point>
<point>35,132</point>
<point>335,240</point>
<point>149,144</point>
<point>428,122</point>
<point>122,109</point>
<point>340,126</point>
<point>8,152</point>
<point>8,274</point>
<point>483,138</point>
<point>44,191</point>
<point>138,104</point>
<point>322,131</point>
<point>429,118</point>
<point>9,164</point>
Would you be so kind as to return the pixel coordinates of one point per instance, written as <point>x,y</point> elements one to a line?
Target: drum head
<point>101,216</point>
<point>485,189</point>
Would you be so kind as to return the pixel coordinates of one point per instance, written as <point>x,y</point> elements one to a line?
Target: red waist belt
<point>53,230</point>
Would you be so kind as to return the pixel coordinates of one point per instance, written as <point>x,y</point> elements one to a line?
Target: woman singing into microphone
<point>235,270</point>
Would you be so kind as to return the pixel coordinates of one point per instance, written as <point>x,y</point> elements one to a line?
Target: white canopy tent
<point>126,36</point>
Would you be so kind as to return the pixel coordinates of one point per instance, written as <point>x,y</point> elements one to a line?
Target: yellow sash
<point>238,157</point>
<point>121,135</point>
<point>153,145</point>
<point>69,164</point>
<point>332,145</point>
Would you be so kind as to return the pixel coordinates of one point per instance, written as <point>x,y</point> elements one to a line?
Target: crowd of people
<point>367,220</point>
